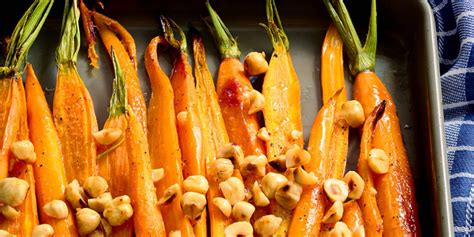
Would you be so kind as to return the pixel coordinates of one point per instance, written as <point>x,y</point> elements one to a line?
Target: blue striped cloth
<point>455,31</point>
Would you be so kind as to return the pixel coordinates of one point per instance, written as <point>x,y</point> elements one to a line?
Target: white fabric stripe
<point>461,175</point>
<point>470,209</point>
<point>457,71</point>
<point>459,122</point>
<point>460,148</point>
<point>452,61</point>
<point>440,6</point>
<point>447,33</point>
<point>463,229</point>
<point>458,104</point>
<point>464,14</point>
<point>461,199</point>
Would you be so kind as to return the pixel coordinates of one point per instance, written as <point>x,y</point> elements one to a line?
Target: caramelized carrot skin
<point>9,121</point>
<point>110,31</point>
<point>146,214</point>
<point>23,224</point>
<point>48,169</point>
<point>75,122</point>
<point>163,139</point>
<point>396,193</point>
<point>232,87</point>
<point>353,218</point>
<point>332,68</point>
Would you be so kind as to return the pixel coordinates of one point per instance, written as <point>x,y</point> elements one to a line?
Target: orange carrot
<point>163,139</point>
<point>395,190</point>
<point>9,120</point>
<point>50,175</point>
<point>353,218</point>
<point>73,110</point>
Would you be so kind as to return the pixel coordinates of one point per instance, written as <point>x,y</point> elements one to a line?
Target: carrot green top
<point>361,58</point>
<point>70,35</point>
<point>169,29</point>
<point>118,100</point>
<point>226,43</point>
<point>275,29</point>
<point>25,33</point>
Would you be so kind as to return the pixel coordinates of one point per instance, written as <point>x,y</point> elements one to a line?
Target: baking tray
<point>406,62</point>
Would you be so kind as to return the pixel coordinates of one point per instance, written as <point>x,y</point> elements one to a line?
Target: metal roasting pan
<point>407,63</point>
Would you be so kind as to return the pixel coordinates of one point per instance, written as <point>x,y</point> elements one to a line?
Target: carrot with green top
<point>395,189</point>
<point>73,110</point>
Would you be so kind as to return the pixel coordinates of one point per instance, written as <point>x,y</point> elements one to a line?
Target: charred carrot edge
<point>308,214</point>
<point>73,110</point>
<point>281,88</point>
<point>373,223</point>
<point>50,176</point>
<point>23,224</point>
<point>114,166</point>
<point>115,36</point>
<point>396,192</point>
<point>90,35</point>
<point>163,139</point>
<point>147,217</point>
<point>353,218</point>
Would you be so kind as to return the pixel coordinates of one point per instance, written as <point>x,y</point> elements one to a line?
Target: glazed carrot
<point>395,190</point>
<point>332,68</point>
<point>9,120</point>
<point>190,134</point>
<point>23,224</point>
<point>353,218</point>
<point>89,34</point>
<point>233,87</point>
<point>113,164</point>
<point>147,217</point>
<point>73,110</point>
<point>115,36</point>
<point>163,139</point>
<point>373,223</point>
<point>50,175</point>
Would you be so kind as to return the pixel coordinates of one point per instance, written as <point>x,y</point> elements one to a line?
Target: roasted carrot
<point>332,67</point>
<point>353,218</point>
<point>233,88</point>
<point>163,139</point>
<point>395,190</point>
<point>113,164</point>
<point>13,115</point>
<point>147,217</point>
<point>89,34</point>
<point>185,106</point>
<point>50,176</point>
<point>115,36</point>
<point>73,110</point>
<point>373,223</point>
<point>23,224</point>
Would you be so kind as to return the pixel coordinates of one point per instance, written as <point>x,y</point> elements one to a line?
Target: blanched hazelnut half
<point>24,150</point>
<point>279,163</point>
<point>263,134</point>
<point>174,233</point>
<point>95,186</point>
<point>254,164</point>
<point>243,211</point>
<point>353,113</point>
<point>13,191</point>
<point>231,151</point>
<point>288,195</point>
<point>9,212</point>
<point>255,63</point>
<point>157,174</point>
<point>334,213</point>
<point>107,136</point>
<point>355,183</point>
<point>222,169</point>
<point>378,161</point>
<point>43,230</point>
<point>236,229</point>
<point>87,220</point>
<point>267,225</point>
<point>223,205</point>
<point>259,197</point>
<point>340,229</point>
<point>233,190</point>
<point>296,157</point>
<point>304,178</point>
<point>336,190</point>
<point>99,203</point>
<point>169,194</point>
<point>75,195</point>
<point>118,211</point>
<point>271,181</point>
<point>196,183</point>
<point>56,209</point>
<point>256,101</point>
<point>193,204</point>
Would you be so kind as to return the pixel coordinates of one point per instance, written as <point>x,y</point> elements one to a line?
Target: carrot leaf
<point>169,29</point>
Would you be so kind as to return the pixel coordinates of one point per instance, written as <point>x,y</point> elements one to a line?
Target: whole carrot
<point>115,36</point>
<point>163,139</point>
<point>73,110</point>
<point>13,115</point>
<point>395,189</point>
<point>113,163</point>
<point>50,176</point>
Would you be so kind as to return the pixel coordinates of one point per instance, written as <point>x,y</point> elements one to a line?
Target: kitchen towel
<point>455,33</point>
